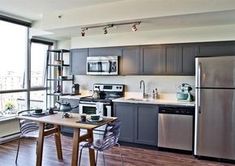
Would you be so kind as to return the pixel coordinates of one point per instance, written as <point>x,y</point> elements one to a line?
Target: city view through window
<point>13,69</point>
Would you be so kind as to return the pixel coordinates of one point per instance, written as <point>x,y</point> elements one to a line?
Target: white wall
<point>164,84</point>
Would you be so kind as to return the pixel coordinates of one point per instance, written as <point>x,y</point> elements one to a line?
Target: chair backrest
<point>27,126</point>
<point>111,135</point>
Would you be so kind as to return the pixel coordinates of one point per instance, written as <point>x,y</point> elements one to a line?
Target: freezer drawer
<point>175,131</point>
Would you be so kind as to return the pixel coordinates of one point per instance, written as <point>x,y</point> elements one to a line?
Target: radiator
<point>9,129</point>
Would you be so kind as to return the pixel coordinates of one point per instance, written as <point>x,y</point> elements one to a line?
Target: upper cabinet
<point>174,59</point>
<point>189,52</point>
<point>170,59</point>
<point>153,60</point>
<point>130,61</point>
<point>217,49</point>
<point>105,51</point>
<point>78,61</point>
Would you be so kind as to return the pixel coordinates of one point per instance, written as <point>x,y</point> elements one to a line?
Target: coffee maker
<point>75,89</point>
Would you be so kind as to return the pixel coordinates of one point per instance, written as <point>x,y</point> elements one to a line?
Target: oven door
<point>87,108</point>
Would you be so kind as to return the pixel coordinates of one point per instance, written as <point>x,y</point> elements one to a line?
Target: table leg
<point>91,151</point>
<point>58,144</point>
<point>76,141</point>
<point>40,144</point>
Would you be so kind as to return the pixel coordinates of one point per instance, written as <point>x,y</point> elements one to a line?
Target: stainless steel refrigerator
<point>215,107</point>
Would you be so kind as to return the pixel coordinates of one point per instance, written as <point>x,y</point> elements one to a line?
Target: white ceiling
<point>154,14</point>
<point>34,9</point>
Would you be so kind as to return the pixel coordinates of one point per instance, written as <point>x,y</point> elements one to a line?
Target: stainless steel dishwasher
<point>175,127</point>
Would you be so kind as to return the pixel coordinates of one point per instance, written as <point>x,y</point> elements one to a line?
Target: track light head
<point>134,28</point>
<point>83,32</point>
<point>105,30</point>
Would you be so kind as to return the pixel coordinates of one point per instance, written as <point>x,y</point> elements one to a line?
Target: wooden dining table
<point>74,122</point>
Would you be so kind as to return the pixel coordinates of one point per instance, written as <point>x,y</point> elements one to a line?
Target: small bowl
<point>95,117</point>
<point>38,111</point>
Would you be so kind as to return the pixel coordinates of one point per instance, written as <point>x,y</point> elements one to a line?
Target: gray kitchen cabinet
<point>78,61</point>
<point>138,122</point>
<point>105,51</point>
<point>217,49</point>
<point>189,52</point>
<point>174,59</point>
<point>146,124</point>
<point>130,61</point>
<point>126,113</point>
<point>153,60</point>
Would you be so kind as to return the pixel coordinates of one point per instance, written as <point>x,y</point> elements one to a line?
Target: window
<point>13,53</point>
<point>38,63</point>
<point>37,72</point>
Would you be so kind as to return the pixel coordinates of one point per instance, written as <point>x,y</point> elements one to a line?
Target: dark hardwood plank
<point>132,156</point>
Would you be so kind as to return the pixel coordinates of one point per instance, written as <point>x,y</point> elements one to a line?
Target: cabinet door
<point>126,114</point>
<point>130,61</point>
<point>147,124</point>
<point>78,61</point>
<point>189,52</point>
<point>105,51</point>
<point>153,60</point>
<point>174,59</point>
<point>217,49</point>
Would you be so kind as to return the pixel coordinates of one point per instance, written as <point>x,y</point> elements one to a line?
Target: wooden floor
<point>132,156</point>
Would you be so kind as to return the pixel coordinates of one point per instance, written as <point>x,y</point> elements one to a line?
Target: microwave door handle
<point>99,66</point>
<point>110,66</point>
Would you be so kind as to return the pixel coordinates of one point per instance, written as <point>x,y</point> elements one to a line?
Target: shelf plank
<point>57,65</point>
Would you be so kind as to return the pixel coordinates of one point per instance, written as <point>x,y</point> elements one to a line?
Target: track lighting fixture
<point>105,27</point>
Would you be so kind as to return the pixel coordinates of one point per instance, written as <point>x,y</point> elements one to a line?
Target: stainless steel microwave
<point>102,65</point>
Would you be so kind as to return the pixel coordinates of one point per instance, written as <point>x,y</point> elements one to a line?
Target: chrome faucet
<point>142,82</point>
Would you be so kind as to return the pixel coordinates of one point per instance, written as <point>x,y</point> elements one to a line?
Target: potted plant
<point>9,107</point>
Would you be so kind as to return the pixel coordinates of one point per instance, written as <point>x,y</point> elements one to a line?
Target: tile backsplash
<point>164,84</point>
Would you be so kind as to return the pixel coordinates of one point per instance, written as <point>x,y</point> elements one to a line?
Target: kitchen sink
<point>136,99</point>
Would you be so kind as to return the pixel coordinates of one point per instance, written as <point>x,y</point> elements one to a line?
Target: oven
<point>102,65</point>
<point>104,109</point>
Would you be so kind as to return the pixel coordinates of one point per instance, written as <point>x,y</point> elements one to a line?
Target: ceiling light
<point>133,28</point>
<point>105,30</point>
<point>83,32</point>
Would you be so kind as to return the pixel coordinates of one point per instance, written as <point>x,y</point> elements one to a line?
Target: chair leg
<point>96,158</point>
<point>18,149</point>
<point>80,156</point>
<point>103,158</point>
<point>119,149</point>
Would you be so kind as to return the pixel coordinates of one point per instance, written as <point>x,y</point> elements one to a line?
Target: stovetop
<point>108,91</point>
<point>92,99</point>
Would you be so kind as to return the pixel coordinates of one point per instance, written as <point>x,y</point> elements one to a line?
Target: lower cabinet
<point>138,122</point>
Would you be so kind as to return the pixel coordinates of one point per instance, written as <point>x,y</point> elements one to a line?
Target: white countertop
<point>165,99</point>
<point>154,101</point>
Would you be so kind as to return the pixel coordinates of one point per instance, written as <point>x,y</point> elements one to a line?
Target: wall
<point>164,84</point>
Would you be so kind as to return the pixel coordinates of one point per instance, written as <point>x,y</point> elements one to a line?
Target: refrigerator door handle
<point>199,85</point>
